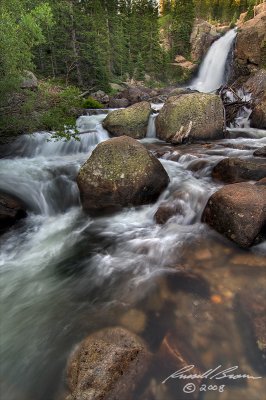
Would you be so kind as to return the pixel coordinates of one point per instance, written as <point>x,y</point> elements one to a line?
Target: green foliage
<point>90,102</point>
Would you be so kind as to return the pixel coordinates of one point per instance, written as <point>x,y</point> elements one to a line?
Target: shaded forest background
<point>86,44</point>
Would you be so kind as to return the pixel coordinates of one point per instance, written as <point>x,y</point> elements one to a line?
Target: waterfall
<point>212,71</point>
<point>151,130</point>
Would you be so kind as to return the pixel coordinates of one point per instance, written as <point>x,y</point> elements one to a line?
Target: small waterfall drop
<point>212,71</point>
<point>151,130</point>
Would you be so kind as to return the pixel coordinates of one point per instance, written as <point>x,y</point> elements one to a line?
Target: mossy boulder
<point>120,173</point>
<point>131,121</point>
<point>192,117</point>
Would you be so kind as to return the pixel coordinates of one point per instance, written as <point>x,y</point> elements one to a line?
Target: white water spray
<point>212,71</point>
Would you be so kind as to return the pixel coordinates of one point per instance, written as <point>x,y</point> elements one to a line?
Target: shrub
<point>90,102</point>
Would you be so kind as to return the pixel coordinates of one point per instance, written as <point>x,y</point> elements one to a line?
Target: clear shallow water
<point>64,274</point>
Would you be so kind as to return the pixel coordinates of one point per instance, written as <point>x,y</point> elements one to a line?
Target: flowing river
<point>65,274</point>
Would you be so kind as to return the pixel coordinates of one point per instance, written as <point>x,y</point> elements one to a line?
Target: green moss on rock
<point>120,172</point>
<point>131,121</point>
<point>193,117</point>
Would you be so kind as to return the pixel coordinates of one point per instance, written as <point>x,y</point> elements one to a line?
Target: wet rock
<point>107,365</point>
<point>134,320</point>
<point>261,182</point>
<point>233,170</point>
<point>249,260</point>
<point>120,173</point>
<point>256,85</point>
<point>11,210</point>
<point>166,211</point>
<point>238,212</point>
<point>253,314</point>
<point>260,152</point>
<point>191,117</point>
<point>132,121</point>
<point>118,103</point>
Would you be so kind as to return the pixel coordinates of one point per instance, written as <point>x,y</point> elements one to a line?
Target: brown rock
<point>250,43</point>
<point>107,365</point>
<point>260,152</point>
<point>11,210</point>
<point>233,170</point>
<point>173,356</point>
<point>238,212</point>
<point>134,320</point>
<point>118,103</point>
<point>250,260</point>
<point>166,211</point>
<point>253,310</point>
<point>119,173</point>
<point>133,95</point>
<point>261,182</point>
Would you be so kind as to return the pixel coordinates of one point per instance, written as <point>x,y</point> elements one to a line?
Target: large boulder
<point>201,39</point>
<point>107,365</point>
<point>238,212</point>
<point>11,210</point>
<point>233,170</point>
<point>192,117</point>
<point>119,173</point>
<point>251,38</point>
<point>29,81</point>
<point>132,121</point>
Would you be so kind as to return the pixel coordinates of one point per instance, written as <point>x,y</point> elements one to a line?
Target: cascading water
<point>212,71</point>
<point>64,274</point>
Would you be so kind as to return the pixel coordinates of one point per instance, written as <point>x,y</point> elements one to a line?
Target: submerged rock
<point>238,212</point>
<point>233,170</point>
<point>132,121</point>
<point>251,304</point>
<point>107,365</point>
<point>193,117</point>
<point>134,320</point>
<point>120,173</point>
<point>173,356</point>
<point>11,210</point>
<point>165,212</point>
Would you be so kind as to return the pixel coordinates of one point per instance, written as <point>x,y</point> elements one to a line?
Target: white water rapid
<point>212,71</point>
<point>64,274</point>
